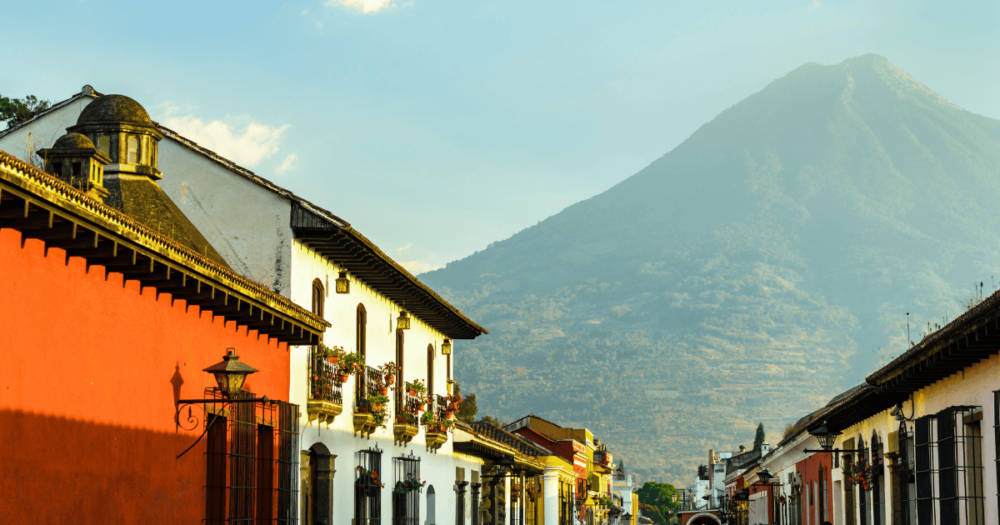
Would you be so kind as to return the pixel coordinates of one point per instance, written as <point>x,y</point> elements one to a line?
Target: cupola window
<point>133,150</point>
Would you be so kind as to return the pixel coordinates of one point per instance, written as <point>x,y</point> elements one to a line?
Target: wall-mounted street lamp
<point>403,323</point>
<point>230,374</point>
<point>343,283</point>
<point>446,347</point>
<point>826,438</point>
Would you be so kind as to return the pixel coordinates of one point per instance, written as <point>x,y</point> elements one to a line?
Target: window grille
<point>876,480</point>
<point>862,495</point>
<point>904,474</point>
<point>368,487</point>
<point>406,490</point>
<point>516,501</point>
<point>925,446</point>
<point>960,465</point>
<point>822,495</point>
<point>996,439</point>
<point>250,461</point>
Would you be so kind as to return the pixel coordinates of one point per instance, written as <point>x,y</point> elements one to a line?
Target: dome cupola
<point>75,160</point>
<point>122,130</point>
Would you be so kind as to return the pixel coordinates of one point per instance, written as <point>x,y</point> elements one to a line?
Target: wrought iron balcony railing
<point>408,411</point>
<point>324,385</point>
<point>440,406</point>
<point>367,387</point>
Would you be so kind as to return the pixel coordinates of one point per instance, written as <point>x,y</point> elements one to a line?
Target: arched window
<point>318,298</point>
<point>400,395</point>
<point>876,480</point>
<point>430,370</point>
<point>133,149</point>
<point>360,342</point>
<point>864,509</point>
<point>317,485</point>
<point>431,517</point>
<point>821,497</point>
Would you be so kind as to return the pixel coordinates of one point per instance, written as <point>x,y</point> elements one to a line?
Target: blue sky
<point>437,127</point>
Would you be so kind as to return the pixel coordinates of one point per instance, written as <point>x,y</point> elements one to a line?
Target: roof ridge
<point>239,283</point>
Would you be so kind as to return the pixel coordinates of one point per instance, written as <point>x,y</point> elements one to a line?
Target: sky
<point>438,127</point>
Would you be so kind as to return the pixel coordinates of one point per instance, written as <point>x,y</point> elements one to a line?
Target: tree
<point>13,111</point>
<point>467,409</point>
<point>702,471</point>
<point>661,497</point>
<point>758,440</point>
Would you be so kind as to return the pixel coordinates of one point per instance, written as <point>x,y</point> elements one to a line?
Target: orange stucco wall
<point>89,372</point>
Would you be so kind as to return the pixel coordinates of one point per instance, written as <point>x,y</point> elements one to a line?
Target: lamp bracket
<point>191,420</point>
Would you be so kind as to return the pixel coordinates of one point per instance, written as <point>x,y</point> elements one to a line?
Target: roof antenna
<point>908,328</point>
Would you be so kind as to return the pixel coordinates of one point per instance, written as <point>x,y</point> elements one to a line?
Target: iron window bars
<point>368,487</point>
<point>251,461</point>
<point>324,384</point>
<point>949,467</point>
<point>406,490</point>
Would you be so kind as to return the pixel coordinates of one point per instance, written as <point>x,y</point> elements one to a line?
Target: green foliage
<point>662,498</point>
<point>703,471</point>
<point>13,111</point>
<point>467,409</point>
<point>738,276</point>
<point>760,437</point>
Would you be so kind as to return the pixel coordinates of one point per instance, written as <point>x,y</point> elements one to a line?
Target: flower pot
<point>333,359</point>
<point>412,392</point>
<point>447,414</point>
<point>342,377</point>
<point>383,391</point>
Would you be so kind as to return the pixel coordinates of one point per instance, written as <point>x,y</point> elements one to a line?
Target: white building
<point>301,250</point>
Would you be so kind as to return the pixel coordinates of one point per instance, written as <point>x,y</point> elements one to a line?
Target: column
<point>550,497</point>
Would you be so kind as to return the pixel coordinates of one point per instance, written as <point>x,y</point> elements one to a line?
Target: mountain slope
<point>739,277</point>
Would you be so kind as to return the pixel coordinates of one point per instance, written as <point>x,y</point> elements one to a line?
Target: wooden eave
<point>42,207</point>
<point>347,248</point>
<point>971,338</point>
<point>493,451</point>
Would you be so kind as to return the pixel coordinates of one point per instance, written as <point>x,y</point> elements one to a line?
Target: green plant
<point>336,352</point>
<point>416,387</point>
<point>378,407</point>
<point>352,363</point>
<point>409,485</point>
<point>387,374</point>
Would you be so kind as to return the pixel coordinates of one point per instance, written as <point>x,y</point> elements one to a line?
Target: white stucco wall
<point>44,131</point>
<point>436,468</point>
<point>972,387</point>
<point>247,224</point>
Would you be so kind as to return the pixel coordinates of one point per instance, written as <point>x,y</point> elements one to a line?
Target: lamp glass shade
<point>446,347</point>
<point>343,283</point>
<point>230,374</point>
<point>764,476</point>
<point>825,437</point>
<point>404,321</point>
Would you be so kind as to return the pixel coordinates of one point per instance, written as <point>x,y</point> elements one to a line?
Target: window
<point>368,488</point>
<point>430,370</point>
<point>863,508</point>
<point>850,510</point>
<point>904,476</point>
<point>57,169</point>
<point>104,144</point>
<point>949,467</point>
<point>318,298</point>
<point>406,491</point>
<point>133,149</point>
<point>822,495</point>
<point>360,341</point>
<point>249,464</point>
<point>77,171</point>
<point>400,394</point>
<point>876,480</point>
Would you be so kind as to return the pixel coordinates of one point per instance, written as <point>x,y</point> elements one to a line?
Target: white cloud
<point>242,140</point>
<point>287,164</point>
<point>418,267</point>
<point>405,248</point>
<point>364,6</point>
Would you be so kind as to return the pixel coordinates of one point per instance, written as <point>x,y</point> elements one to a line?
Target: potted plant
<point>351,363</point>
<point>388,372</point>
<point>416,388</point>
<point>411,484</point>
<point>378,407</point>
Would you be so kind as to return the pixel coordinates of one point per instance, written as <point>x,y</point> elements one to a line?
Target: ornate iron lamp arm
<point>181,403</point>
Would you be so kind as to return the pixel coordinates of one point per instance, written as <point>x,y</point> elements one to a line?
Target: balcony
<point>368,413</point>
<point>326,393</point>
<point>407,418</point>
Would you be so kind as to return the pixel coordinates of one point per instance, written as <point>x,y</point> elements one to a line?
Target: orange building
<point>105,325</point>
